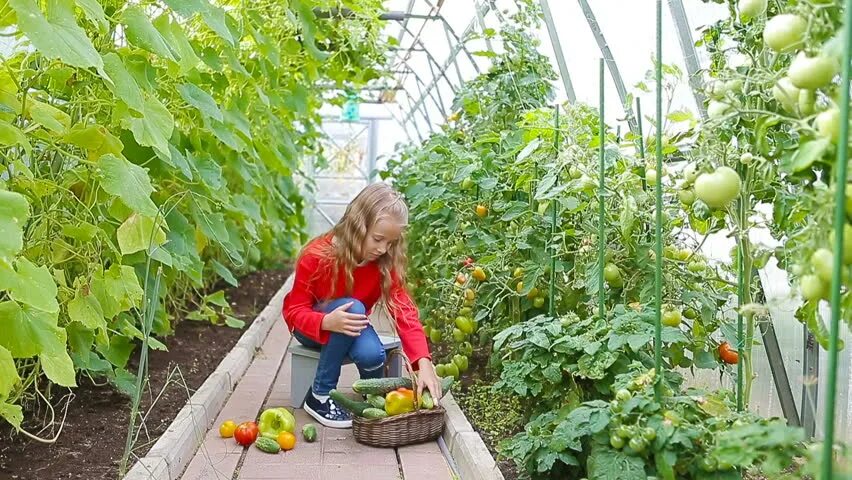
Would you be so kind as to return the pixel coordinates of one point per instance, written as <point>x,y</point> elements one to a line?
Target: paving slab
<point>265,382</point>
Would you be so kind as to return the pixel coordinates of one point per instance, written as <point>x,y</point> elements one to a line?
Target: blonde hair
<point>376,202</point>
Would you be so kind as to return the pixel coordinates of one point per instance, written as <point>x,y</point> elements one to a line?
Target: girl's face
<point>379,239</point>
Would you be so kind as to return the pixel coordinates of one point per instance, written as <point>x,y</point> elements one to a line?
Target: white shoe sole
<point>342,424</point>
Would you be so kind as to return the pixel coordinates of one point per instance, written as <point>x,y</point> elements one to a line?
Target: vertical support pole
<point>740,298</point>
<point>551,308</point>
<point>372,152</point>
<point>837,272</point>
<point>557,51</point>
<point>601,194</point>
<point>639,126</point>
<point>810,387</point>
<point>658,231</point>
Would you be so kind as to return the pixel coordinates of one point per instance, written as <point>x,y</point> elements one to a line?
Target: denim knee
<point>369,358</point>
<point>357,307</point>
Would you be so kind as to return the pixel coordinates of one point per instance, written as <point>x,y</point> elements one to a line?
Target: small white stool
<point>303,367</point>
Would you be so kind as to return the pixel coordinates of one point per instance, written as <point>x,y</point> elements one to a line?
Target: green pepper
<point>276,420</point>
<point>461,362</point>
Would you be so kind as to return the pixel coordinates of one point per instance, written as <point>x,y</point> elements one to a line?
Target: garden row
<point>533,241</point>
<point>150,149</point>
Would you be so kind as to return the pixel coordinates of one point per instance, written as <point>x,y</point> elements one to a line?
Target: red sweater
<point>312,286</point>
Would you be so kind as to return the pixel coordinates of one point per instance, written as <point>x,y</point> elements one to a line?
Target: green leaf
<point>806,155</point>
<point>514,211</point>
<point>178,160</point>
<point>8,373</point>
<point>234,322</point>
<point>201,100</point>
<point>8,277</point>
<point>208,170</point>
<point>665,461</point>
<point>605,464</point>
<point>95,13</point>
<point>528,150</point>
<point>26,331</point>
<point>176,39</point>
<point>57,35</point>
<point>214,17</point>
<point>56,363</point>
<point>225,273</point>
<point>308,20</point>
<point>35,287</point>
<point>11,135</point>
<point>12,414</point>
<point>680,116</point>
<point>119,350</point>
<point>129,182</point>
<point>86,309</point>
<point>123,86</point>
<point>139,233</point>
<point>117,290</point>
<point>186,8</point>
<point>82,232</point>
<point>95,139</point>
<point>124,381</point>
<point>484,53</point>
<point>49,116</point>
<point>141,33</point>
<point>14,212</point>
<point>218,299</point>
<point>153,128</point>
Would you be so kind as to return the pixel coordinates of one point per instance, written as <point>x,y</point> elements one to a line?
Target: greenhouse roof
<point>441,45</point>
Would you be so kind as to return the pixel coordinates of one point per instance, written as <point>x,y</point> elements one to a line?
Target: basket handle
<point>398,351</point>
<point>409,369</point>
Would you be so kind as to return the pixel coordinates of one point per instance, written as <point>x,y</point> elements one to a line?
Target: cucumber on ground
<point>374,413</point>
<point>309,432</point>
<point>267,445</point>
<point>377,401</point>
<point>380,386</point>
<point>349,404</point>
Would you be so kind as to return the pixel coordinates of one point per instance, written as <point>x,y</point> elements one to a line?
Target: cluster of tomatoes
<point>246,433</point>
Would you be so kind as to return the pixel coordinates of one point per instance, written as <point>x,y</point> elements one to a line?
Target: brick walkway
<point>335,455</point>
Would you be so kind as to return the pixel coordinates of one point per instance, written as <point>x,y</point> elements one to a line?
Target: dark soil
<point>92,440</point>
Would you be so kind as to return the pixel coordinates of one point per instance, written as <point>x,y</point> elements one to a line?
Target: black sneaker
<point>327,413</point>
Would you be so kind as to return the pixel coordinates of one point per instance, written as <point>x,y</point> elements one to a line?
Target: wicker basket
<point>405,429</point>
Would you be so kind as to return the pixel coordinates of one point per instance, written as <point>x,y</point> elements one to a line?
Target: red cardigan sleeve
<point>407,319</point>
<point>299,303</point>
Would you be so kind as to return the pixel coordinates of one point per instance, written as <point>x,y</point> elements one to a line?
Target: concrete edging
<point>173,451</point>
<point>471,456</point>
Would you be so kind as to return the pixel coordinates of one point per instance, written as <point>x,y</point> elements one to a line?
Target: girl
<point>339,277</point>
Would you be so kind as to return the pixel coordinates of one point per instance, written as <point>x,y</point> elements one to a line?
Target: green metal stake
<point>740,299</point>
<point>641,140</point>
<point>837,273</point>
<point>641,134</point>
<point>551,307</point>
<point>601,196</point>
<point>658,234</point>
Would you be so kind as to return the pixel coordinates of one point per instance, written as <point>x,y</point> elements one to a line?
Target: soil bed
<point>479,374</point>
<point>92,440</point>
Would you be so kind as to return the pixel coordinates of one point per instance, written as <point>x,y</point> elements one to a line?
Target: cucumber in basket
<point>349,404</point>
<point>381,386</point>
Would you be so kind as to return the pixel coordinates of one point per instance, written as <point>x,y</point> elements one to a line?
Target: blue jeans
<point>366,350</point>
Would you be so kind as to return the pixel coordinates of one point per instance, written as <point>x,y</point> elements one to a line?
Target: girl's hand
<point>427,378</point>
<point>341,321</point>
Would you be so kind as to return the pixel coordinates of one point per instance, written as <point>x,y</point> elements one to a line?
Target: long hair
<point>376,202</point>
